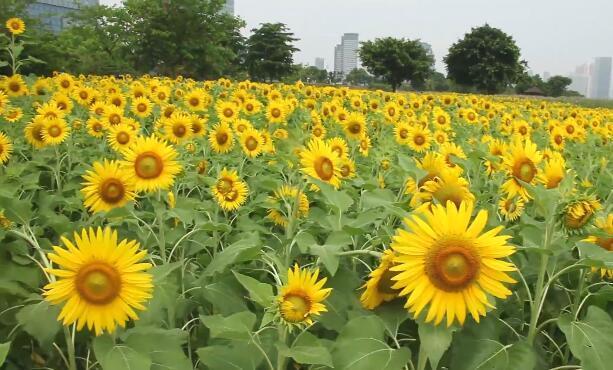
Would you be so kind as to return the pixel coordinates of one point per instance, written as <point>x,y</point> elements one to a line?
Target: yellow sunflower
<point>95,127</point>
<point>142,107</point>
<point>151,164</point>
<point>318,131</point>
<point>113,115</point>
<point>402,131</point>
<point>339,146</point>
<point>521,162</point>
<point>446,262</point>
<point>107,186</point>
<point>227,111</point>
<point>355,126</point>
<point>553,173</point>
<point>177,128</point>
<point>347,168</point>
<point>120,137</point>
<point>55,131</point>
<point>221,138</point>
<point>578,212</point>
<point>6,148</point>
<point>251,106</point>
<point>195,100</point>
<point>282,201</point>
<point>33,132</point>
<point>276,112</point>
<point>420,139</point>
<point>511,207</point>
<point>16,26</point>
<point>300,299</point>
<point>447,186</point>
<point>378,288</point>
<point>320,162</point>
<point>100,281</point>
<point>15,86</point>
<point>229,190</point>
<point>365,145</point>
<point>252,143</point>
<point>605,225</point>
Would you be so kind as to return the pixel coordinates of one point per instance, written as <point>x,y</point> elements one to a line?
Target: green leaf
<point>4,351</point>
<point>40,321</point>
<point>161,272</point>
<point>113,356</point>
<point>482,354</point>
<point>596,255</point>
<point>434,340</point>
<point>339,199</point>
<point>3,63</point>
<point>17,210</point>
<point>163,347</point>
<point>307,349</point>
<point>521,356</point>
<point>590,339</point>
<point>259,292</point>
<point>232,356</point>
<point>237,326</point>
<point>246,249</point>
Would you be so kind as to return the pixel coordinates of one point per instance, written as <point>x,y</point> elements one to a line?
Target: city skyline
<point>544,39</point>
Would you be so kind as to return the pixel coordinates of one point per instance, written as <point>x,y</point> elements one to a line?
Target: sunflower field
<point>158,223</point>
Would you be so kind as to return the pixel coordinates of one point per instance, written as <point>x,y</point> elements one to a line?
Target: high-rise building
<point>338,59</point>
<point>600,78</point>
<point>54,13</point>
<point>319,63</point>
<point>229,7</point>
<point>346,54</point>
<point>580,79</point>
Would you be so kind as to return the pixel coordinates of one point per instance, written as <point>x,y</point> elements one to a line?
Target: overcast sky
<point>553,35</point>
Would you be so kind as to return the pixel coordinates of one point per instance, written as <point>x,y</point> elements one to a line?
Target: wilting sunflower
<point>605,225</point>
<point>420,139</point>
<point>511,207</point>
<point>120,137</point>
<point>101,281</point>
<point>55,131</point>
<point>578,212</point>
<point>320,162</point>
<point>521,162</point>
<point>142,107</point>
<point>6,148</point>
<point>252,143</point>
<point>16,26</point>
<point>151,164</point>
<point>229,190</point>
<point>301,298</point>
<point>221,138</point>
<point>446,261</point>
<point>107,186</point>
<point>287,195</point>
<point>447,186</point>
<point>355,126</point>
<point>34,132</point>
<point>227,111</point>
<point>378,288</point>
<point>178,128</point>
<point>553,173</point>
<point>276,112</point>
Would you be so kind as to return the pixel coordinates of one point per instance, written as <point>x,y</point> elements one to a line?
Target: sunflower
<point>95,127</point>
<point>320,162</point>
<point>195,100</point>
<point>450,150</point>
<point>83,95</point>
<point>65,81</point>
<point>229,190</point>
<point>339,146</point>
<point>101,280</point>
<point>15,86</point>
<point>511,207</point>
<point>16,26</point>
<point>251,106</point>
<point>55,131</point>
<point>521,162</point>
<point>6,148</point>
<point>198,125</point>
<point>578,212</point>
<point>241,125</point>
<point>447,186</point>
<point>252,143</point>
<point>287,195</point>
<point>151,164</point>
<point>318,131</point>
<point>301,298</point>
<point>402,132</point>
<point>441,120</point>
<point>420,139</point>
<point>378,288</point>
<point>605,226</point>
<point>553,173</point>
<point>117,99</point>
<point>365,145</point>
<point>120,137</point>
<point>221,138</point>
<point>4,100</point>
<point>113,115</point>
<point>557,139</point>
<point>391,112</point>
<point>227,111</point>
<point>276,112</point>
<point>355,126</point>
<point>107,187</point>
<point>441,137</point>
<point>450,265</point>
<point>5,223</point>
<point>33,132</point>
<point>347,168</point>
<point>142,107</point>
<point>177,128</point>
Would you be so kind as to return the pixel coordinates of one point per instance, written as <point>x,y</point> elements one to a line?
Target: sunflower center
<point>471,116</point>
<point>317,131</point>
<point>510,206</point>
<point>452,266</point>
<point>391,111</point>
<point>179,130</point>
<point>419,139</point>
<point>37,133</point>
<point>231,196</point>
<point>65,84</point>
<point>403,133</point>
<point>224,185</point>
<point>441,120</point>
<point>98,283</point>
<point>141,107</point>
<point>249,107</point>
<point>570,129</point>
<point>324,168</point>
<point>251,143</point>
<point>97,127</point>
<point>525,170</point>
<point>228,112</point>
<point>364,144</point>
<point>161,96</point>
<point>14,86</point>
<point>338,151</point>
<point>221,138</point>
<point>112,191</point>
<point>558,139</point>
<point>345,170</point>
<point>114,119</point>
<point>83,95</point>
<point>123,138</point>
<point>148,165</point>
<point>355,128</point>
<point>54,131</point>
<point>62,105</point>
<point>117,102</point>
<point>295,308</point>
<point>385,282</point>
<point>523,130</point>
<point>194,102</point>
<point>15,25</point>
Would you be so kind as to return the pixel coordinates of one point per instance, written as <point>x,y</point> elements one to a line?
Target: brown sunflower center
<point>114,119</point>
<point>54,131</point>
<point>97,127</point>
<point>295,308</point>
<point>83,95</point>
<point>510,206</point>
<point>452,266</point>
<point>221,138</point>
<point>123,138</point>
<point>179,130</point>
<point>148,165</point>
<point>471,116</point>
<point>441,120</point>
<point>228,112</point>
<point>112,191</point>
<point>570,129</point>
<point>338,151</point>
<point>224,186</point>
<point>251,143</point>
<point>249,107</point>
<point>523,130</point>
<point>385,282</point>
<point>116,102</point>
<point>391,111</point>
<point>98,283</point>
<point>419,139</point>
<point>558,139</point>
<point>324,168</point>
<point>403,133</point>
<point>62,105</point>
<point>194,102</point>
<point>525,170</point>
<point>141,107</point>
<point>345,170</point>
<point>355,128</point>
<point>14,86</point>
<point>317,131</point>
<point>37,133</point>
<point>275,112</point>
<point>65,84</point>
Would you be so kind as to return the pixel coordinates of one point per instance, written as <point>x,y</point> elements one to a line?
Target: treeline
<point>196,38</point>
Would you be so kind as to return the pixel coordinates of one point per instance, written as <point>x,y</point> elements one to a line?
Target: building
<point>580,79</point>
<point>320,63</point>
<point>346,54</point>
<point>54,14</point>
<point>600,78</point>
<point>229,7</point>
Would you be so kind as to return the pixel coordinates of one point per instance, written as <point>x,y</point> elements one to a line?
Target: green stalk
<point>535,310</point>
<point>281,359</point>
<point>72,362</point>
<point>422,360</point>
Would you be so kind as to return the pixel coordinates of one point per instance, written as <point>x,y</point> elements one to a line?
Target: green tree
<point>526,81</point>
<point>438,82</point>
<point>486,58</point>
<point>308,74</point>
<point>358,76</point>
<point>556,85</point>
<point>270,52</point>
<point>397,60</point>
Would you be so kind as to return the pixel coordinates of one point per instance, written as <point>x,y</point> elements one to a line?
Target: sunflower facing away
<point>605,225</point>
<point>320,162</point>
<point>379,285</point>
<point>151,163</point>
<point>107,187</point>
<point>101,281</point>
<point>301,298</point>
<point>287,195</point>
<point>6,148</point>
<point>578,212</point>
<point>229,190</point>
<point>446,261</point>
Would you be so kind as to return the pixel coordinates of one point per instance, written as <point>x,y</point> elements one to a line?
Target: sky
<point>554,36</point>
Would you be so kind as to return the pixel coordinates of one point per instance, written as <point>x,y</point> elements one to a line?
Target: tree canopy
<point>397,60</point>
<point>270,52</point>
<point>486,58</point>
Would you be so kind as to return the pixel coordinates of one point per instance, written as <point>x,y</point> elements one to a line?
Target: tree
<point>437,82</point>
<point>556,85</point>
<point>397,60</point>
<point>526,81</point>
<point>486,58</point>
<point>358,76</point>
<point>270,52</point>
<point>309,74</point>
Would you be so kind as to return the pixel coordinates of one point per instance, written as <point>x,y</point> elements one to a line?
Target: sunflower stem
<point>281,359</point>
<point>72,362</point>
<point>422,359</point>
<point>162,236</point>
<point>540,290</point>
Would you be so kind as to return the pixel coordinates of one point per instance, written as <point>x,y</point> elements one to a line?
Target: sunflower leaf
<point>261,293</point>
<point>435,340</point>
<point>4,351</point>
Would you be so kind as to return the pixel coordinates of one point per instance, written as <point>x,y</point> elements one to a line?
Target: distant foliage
<point>270,52</point>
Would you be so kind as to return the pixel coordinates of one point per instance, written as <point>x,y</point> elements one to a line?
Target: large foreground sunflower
<point>101,280</point>
<point>107,187</point>
<point>446,262</point>
<point>300,299</point>
<point>151,163</point>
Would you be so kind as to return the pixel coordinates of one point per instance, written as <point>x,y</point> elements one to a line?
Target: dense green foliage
<point>270,52</point>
